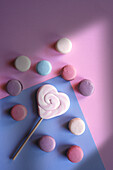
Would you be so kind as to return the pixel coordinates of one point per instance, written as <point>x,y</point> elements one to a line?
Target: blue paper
<point>32,157</point>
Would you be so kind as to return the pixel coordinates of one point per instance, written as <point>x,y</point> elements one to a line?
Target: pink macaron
<point>68,72</point>
<point>75,154</point>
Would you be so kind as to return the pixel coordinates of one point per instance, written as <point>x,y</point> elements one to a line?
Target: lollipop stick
<point>18,151</point>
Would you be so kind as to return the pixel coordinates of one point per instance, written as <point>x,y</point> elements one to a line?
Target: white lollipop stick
<point>51,103</point>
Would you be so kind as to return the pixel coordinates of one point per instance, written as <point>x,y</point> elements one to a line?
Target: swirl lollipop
<point>51,103</point>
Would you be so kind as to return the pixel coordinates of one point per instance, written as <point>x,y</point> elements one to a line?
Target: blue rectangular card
<point>32,157</point>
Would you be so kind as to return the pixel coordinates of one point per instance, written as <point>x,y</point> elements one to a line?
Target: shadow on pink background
<point>32,27</point>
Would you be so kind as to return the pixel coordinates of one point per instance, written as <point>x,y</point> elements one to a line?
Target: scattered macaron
<point>14,87</point>
<point>64,45</point>
<point>68,72</point>
<point>22,63</point>
<point>43,67</point>
<point>86,87</point>
<point>77,126</point>
<point>47,143</point>
<point>75,154</point>
<point>18,112</point>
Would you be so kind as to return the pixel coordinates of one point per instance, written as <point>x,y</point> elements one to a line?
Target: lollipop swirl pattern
<point>51,103</point>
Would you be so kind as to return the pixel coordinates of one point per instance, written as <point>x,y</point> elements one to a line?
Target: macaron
<point>75,154</point>
<point>14,87</point>
<point>63,45</point>
<point>47,143</point>
<point>68,72</point>
<point>86,87</point>
<point>22,63</point>
<point>43,67</point>
<point>77,126</point>
<point>18,112</point>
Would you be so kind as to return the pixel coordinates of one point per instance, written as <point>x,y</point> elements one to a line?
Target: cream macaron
<point>77,126</point>
<point>63,45</point>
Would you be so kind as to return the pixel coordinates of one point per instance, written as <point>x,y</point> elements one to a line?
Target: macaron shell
<point>47,143</point>
<point>77,126</point>
<point>68,72</point>
<point>64,45</point>
<point>18,112</point>
<point>75,154</point>
<point>22,63</point>
<point>86,87</point>
<point>14,87</point>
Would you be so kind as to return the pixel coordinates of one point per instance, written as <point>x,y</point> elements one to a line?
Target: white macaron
<point>77,126</point>
<point>64,45</point>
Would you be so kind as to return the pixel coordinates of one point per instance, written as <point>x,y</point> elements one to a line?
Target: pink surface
<point>32,27</point>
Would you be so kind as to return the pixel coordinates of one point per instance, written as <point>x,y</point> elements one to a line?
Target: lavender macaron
<point>14,87</point>
<point>47,143</point>
<point>86,87</point>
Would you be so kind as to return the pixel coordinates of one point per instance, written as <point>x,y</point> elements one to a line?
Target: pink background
<point>32,27</point>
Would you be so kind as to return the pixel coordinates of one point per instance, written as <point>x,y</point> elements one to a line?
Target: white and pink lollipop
<point>51,103</point>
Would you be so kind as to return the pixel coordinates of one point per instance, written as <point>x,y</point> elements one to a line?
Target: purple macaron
<point>47,143</point>
<point>14,87</point>
<point>86,87</point>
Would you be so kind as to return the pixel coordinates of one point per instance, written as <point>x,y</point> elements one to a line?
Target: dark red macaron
<point>18,112</point>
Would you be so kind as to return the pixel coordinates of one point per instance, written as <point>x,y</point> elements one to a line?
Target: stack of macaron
<point>68,73</point>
